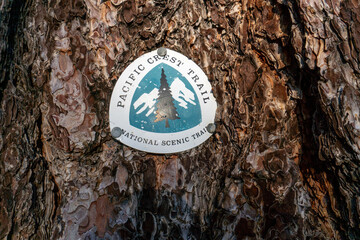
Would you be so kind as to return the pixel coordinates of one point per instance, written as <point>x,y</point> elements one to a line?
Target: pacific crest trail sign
<point>162,104</point>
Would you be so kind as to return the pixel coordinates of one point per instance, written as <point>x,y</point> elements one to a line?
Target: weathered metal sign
<point>162,104</point>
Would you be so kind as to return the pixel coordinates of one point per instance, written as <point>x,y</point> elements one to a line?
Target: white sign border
<point>162,143</point>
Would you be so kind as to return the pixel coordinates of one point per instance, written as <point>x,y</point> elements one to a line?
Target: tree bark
<point>282,164</point>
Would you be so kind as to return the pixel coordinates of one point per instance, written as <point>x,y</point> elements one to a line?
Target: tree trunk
<point>282,164</point>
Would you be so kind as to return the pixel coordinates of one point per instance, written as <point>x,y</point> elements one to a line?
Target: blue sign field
<point>148,106</point>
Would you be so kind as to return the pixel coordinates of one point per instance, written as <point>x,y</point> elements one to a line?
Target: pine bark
<point>282,164</point>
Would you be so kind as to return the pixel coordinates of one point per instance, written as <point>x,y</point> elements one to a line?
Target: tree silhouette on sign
<point>165,108</point>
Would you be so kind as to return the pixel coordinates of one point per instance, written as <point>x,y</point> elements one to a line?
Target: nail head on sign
<point>116,132</point>
<point>161,52</point>
<point>211,127</point>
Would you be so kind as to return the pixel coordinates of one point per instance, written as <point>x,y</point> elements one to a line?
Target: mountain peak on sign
<point>179,92</point>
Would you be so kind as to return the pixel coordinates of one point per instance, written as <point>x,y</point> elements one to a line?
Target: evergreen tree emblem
<point>165,108</point>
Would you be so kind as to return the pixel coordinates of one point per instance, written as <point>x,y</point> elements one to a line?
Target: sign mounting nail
<point>162,103</point>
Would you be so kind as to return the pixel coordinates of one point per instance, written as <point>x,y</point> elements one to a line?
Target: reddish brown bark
<point>282,164</point>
